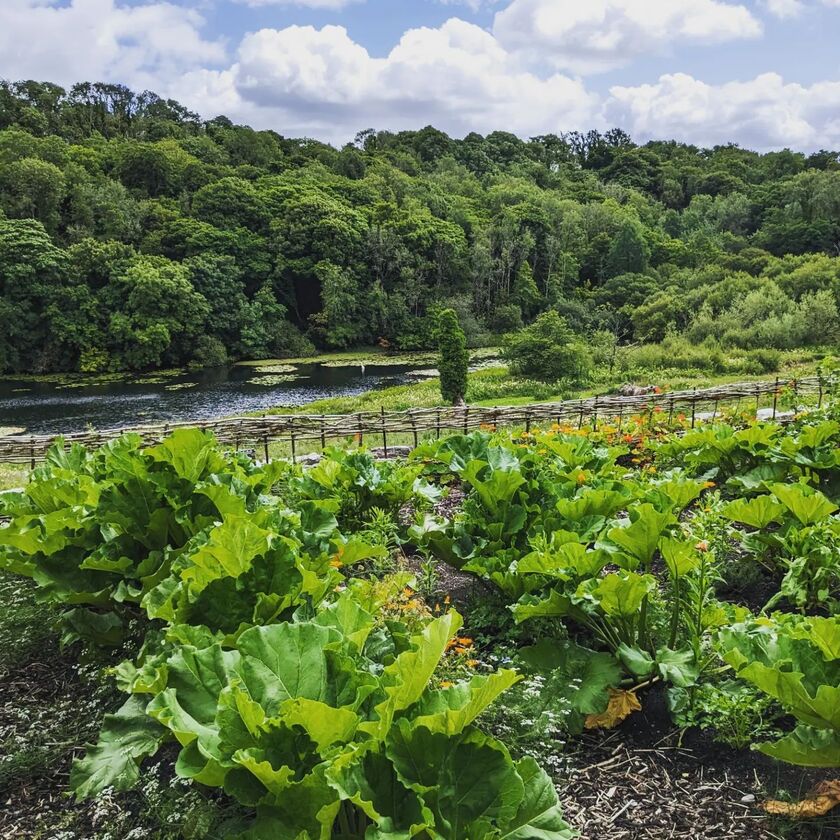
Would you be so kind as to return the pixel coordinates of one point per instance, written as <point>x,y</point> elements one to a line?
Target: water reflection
<point>60,406</point>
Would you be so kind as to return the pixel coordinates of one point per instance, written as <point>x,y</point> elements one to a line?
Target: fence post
<point>757,400</point>
<point>819,382</point>
<point>32,452</point>
<point>714,413</point>
<point>361,431</point>
<point>294,453</point>
<point>384,433</point>
<point>265,446</point>
<point>670,411</point>
<point>323,435</point>
<point>413,427</point>
<point>466,419</point>
<point>595,416</point>
<point>775,397</point>
<point>580,419</point>
<point>437,424</point>
<point>528,421</point>
<point>693,406</point>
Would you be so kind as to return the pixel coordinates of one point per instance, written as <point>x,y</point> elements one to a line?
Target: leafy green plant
<point>329,734</point>
<point>794,528</point>
<point>734,711</point>
<point>99,530</point>
<point>796,661</point>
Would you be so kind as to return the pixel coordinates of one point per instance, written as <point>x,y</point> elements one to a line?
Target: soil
<point>645,781</point>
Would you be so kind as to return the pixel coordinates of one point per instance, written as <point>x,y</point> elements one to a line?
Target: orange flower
<point>336,563</point>
<point>581,478</point>
<point>703,545</point>
<point>709,484</point>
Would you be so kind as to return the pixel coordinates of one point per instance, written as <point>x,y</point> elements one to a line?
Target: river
<point>70,404</point>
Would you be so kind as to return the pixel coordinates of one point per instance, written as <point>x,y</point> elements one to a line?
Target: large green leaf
<point>582,675</point>
<point>757,513</point>
<point>452,709</point>
<point>806,746</point>
<point>127,737</point>
<point>406,678</point>
<point>466,780</point>
<point>229,552</point>
<point>809,506</point>
<point>539,816</point>
<point>286,661</point>
<point>554,605</point>
<point>366,777</point>
<point>621,594</point>
<point>641,537</point>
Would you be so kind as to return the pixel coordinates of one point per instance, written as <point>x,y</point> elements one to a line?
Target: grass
<point>493,386</point>
<point>12,475</point>
<point>370,357</point>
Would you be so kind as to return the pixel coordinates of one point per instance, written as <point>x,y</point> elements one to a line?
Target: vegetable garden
<point>413,648</point>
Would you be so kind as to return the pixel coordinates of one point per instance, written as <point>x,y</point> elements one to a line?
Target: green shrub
<point>548,351</point>
<point>454,358</point>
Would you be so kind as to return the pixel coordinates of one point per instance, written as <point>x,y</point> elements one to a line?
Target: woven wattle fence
<point>374,428</point>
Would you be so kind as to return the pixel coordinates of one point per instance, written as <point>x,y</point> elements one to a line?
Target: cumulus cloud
<point>602,34</point>
<point>784,8</point>
<point>763,113</point>
<point>320,82</point>
<point>310,4</point>
<point>100,40</point>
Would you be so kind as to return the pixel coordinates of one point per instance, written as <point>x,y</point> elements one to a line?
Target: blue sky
<point>764,73</point>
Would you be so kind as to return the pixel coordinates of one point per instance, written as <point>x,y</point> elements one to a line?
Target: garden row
<point>281,651</point>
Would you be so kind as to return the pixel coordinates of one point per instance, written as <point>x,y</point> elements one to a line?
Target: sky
<point>761,73</point>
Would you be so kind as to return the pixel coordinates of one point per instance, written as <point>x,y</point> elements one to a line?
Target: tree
<point>453,361</point>
<point>548,351</point>
<point>629,253</point>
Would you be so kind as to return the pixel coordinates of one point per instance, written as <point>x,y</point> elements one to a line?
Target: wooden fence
<point>375,428</point>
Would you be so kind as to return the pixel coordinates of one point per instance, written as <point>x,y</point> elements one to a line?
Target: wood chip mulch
<point>614,790</point>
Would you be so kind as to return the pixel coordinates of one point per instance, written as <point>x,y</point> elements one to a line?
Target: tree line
<point>135,235</point>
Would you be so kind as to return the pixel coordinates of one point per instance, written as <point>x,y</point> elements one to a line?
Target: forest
<point>135,235</point>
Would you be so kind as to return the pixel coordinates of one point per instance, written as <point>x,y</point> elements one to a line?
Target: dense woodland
<point>134,235</point>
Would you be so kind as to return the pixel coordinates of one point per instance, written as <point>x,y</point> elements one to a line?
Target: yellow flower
<point>709,484</point>
<point>472,663</point>
<point>446,684</point>
<point>336,563</point>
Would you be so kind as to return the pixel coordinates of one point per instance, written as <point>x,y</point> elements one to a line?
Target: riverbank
<point>494,385</point>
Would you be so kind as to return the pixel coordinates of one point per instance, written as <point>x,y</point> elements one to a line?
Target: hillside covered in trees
<point>134,235</point>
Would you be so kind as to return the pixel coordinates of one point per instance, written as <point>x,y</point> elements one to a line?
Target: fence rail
<point>375,427</point>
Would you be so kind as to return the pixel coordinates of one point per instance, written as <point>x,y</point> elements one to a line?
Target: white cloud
<point>99,40</point>
<point>310,4</point>
<point>302,80</point>
<point>601,34</point>
<point>763,113</point>
<point>784,8</point>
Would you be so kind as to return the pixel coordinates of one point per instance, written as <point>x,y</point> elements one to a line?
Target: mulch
<point>648,781</point>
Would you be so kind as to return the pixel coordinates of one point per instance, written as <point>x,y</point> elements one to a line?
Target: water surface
<point>73,404</point>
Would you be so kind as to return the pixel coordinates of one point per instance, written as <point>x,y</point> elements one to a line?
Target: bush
<point>548,351</point>
<point>454,358</point>
<point>209,352</point>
